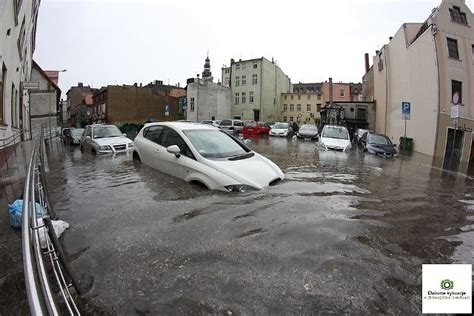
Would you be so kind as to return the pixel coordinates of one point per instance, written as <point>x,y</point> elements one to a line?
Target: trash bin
<point>406,143</point>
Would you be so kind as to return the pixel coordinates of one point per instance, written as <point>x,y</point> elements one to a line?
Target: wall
<point>274,83</point>
<point>210,100</point>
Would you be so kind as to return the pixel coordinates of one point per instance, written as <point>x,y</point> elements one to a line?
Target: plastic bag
<point>16,209</point>
<point>59,227</point>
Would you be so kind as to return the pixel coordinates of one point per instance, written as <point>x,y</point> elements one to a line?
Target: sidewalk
<point>12,285</point>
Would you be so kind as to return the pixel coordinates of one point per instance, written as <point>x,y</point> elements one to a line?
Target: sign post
<point>455,117</point>
<point>406,114</point>
<point>167,110</point>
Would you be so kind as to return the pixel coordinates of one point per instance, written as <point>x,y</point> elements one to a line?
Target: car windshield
<point>214,143</point>
<point>335,132</point>
<point>281,126</point>
<point>379,139</point>
<point>77,132</point>
<point>251,124</point>
<point>106,131</point>
<point>308,128</point>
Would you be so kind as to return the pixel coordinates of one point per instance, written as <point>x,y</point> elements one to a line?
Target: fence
<point>41,265</point>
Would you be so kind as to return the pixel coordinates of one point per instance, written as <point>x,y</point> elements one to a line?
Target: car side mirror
<point>174,149</point>
<point>124,134</point>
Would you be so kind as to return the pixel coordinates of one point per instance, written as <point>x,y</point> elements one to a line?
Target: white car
<point>281,129</point>
<point>104,139</point>
<point>204,155</point>
<point>335,138</point>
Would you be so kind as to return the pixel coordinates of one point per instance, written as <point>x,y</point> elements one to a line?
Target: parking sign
<point>406,110</point>
<point>167,110</point>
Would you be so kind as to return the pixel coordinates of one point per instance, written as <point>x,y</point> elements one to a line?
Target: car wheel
<point>136,157</point>
<point>93,152</point>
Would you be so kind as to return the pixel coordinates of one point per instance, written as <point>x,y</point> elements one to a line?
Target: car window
<point>214,144</point>
<point>281,126</point>
<point>226,123</point>
<point>153,133</point>
<point>379,139</point>
<point>170,137</point>
<point>335,132</point>
<point>238,123</point>
<point>106,131</point>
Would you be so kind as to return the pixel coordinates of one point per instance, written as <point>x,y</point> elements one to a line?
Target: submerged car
<point>74,136</point>
<point>204,155</point>
<point>308,131</point>
<point>335,137</point>
<point>231,126</point>
<point>104,139</point>
<point>378,144</point>
<point>255,128</point>
<point>281,129</point>
<point>358,135</point>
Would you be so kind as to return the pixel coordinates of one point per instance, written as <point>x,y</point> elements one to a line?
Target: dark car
<point>378,144</point>
<point>74,136</point>
<point>308,131</point>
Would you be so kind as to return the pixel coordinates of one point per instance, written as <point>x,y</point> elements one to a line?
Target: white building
<point>256,86</point>
<point>17,43</point>
<point>207,100</point>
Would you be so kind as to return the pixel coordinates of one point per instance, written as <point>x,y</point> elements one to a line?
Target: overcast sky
<point>103,42</point>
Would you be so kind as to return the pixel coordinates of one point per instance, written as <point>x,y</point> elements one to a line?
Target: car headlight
<point>104,148</point>
<point>239,188</point>
<point>130,145</point>
<point>348,147</point>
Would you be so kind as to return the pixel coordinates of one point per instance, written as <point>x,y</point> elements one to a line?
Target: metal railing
<point>38,271</point>
<point>10,141</point>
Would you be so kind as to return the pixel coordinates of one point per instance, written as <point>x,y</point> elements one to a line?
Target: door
<point>150,147</point>
<point>454,143</point>
<point>167,162</point>
<point>256,115</point>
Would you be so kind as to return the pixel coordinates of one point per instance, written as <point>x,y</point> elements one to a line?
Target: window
<point>285,107</point>
<point>452,48</point>
<point>318,107</point>
<point>244,96</point>
<point>255,65</point>
<point>308,119</point>
<point>237,81</point>
<point>361,114</point>
<point>21,38</point>
<point>236,100</point>
<point>456,87</point>
<point>153,133</point>
<point>299,97</point>
<point>308,97</point>
<point>251,97</point>
<point>308,107</point>
<point>227,71</point>
<point>13,106</point>
<point>2,85</point>
<point>291,118</point>
<point>243,66</point>
<point>254,79</point>
<point>292,107</point>
<point>226,81</point>
<point>286,97</point>
<point>319,97</point>
<point>17,6</point>
<point>285,118</point>
<point>341,93</point>
<point>191,104</point>
<point>237,66</point>
<point>244,79</point>
<point>291,97</point>
<point>457,16</point>
<point>298,107</point>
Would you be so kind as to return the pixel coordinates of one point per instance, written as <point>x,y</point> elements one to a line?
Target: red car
<point>255,128</point>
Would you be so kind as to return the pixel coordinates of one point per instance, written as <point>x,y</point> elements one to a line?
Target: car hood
<point>388,149</point>
<point>112,141</point>
<point>335,142</point>
<point>308,133</point>
<point>256,171</point>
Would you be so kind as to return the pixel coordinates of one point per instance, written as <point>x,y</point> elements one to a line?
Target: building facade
<point>256,87</point>
<point>207,100</point>
<point>17,43</point>
<point>133,104</point>
<point>44,102</point>
<point>430,65</point>
<point>75,96</point>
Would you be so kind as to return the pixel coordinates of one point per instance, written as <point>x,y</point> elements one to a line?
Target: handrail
<point>14,136</point>
<point>38,272</point>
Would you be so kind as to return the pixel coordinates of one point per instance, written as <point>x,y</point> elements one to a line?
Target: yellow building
<point>303,105</point>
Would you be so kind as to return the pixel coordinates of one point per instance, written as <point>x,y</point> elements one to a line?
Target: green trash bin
<point>406,143</point>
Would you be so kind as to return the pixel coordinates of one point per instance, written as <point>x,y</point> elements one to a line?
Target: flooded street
<point>344,232</point>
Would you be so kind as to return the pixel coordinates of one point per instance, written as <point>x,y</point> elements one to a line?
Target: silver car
<point>231,126</point>
<point>104,139</point>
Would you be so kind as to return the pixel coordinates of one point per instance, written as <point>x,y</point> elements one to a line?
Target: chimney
<point>330,91</point>
<point>140,84</point>
<point>80,84</point>
<point>367,66</point>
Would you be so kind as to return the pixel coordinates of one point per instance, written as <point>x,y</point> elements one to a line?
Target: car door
<point>149,145</point>
<point>167,162</point>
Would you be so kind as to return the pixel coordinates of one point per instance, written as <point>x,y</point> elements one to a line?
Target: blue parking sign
<point>406,108</point>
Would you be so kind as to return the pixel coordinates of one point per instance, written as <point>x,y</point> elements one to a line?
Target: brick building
<point>133,104</point>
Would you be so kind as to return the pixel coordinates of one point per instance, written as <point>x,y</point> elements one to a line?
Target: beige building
<point>430,65</point>
<point>303,105</point>
<point>256,88</point>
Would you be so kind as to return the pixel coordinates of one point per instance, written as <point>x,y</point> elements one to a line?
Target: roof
<point>312,87</point>
<point>45,75</point>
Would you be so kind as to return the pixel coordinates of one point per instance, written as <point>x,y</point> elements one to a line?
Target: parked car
<point>74,136</point>
<point>358,134</point>
<point>378,144</point>
<point>204,155</point>
<point>208,122</point>
<point>281,129</point>
<point>308,131</point>
<point>231,126</point>
<point>255,128</point>
<point>335,138</point>
<point>104,139</point>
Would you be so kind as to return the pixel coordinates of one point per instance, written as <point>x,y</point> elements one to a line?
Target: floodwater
<point>343,233</point>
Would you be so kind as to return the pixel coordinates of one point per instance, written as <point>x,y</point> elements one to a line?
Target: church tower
<point>207,74</point>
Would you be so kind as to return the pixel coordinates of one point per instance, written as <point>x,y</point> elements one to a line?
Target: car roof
<point>183,125</point>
